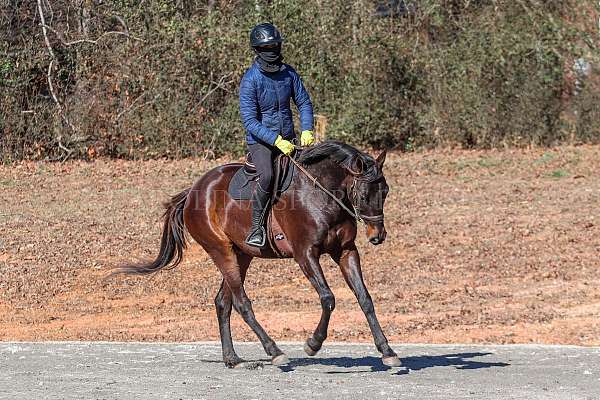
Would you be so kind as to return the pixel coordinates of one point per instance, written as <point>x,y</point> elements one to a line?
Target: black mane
<point>340,153</point>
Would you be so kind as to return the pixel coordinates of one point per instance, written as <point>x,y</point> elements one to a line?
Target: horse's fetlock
<point>319,338</point>
<point>383,346</point>
<point>316,341</point>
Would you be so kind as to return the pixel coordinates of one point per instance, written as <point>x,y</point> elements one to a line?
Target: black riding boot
<point>258,235</point>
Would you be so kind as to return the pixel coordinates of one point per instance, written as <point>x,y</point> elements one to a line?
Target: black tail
<point>173,240</point>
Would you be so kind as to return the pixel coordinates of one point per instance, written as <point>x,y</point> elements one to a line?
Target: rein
<point>354,213</point>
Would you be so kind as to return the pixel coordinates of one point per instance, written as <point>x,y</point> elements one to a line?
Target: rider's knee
<point>264,180</point>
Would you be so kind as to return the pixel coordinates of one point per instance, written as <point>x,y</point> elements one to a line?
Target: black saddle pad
<point>242,184</point>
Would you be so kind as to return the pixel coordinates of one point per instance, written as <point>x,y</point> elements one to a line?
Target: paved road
<point>81,370</point>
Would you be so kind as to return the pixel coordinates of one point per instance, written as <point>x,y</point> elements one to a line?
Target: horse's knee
<point>243,307</point>
<point>328,302</point>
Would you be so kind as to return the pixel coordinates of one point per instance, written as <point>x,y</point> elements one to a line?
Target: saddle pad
<point>242,184</point>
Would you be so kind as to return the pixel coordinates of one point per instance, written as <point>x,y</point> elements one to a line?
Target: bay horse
<point>314,224</point>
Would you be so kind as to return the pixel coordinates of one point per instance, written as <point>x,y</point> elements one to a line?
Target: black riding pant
<point>262,156</point>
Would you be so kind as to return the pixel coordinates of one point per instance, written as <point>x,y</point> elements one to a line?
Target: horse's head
<point>363,182</point>
<point>367,194</point>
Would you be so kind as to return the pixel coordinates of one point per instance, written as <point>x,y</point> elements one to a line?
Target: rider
<point>265,93</point>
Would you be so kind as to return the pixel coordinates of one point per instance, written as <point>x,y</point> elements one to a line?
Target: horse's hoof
<point>248,365</point>
<point>392,361</point>
<point>280,360</point>
<point>239,365</point>
<point>309,350</point>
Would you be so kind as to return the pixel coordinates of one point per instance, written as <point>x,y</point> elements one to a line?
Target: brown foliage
<point>159,79</point>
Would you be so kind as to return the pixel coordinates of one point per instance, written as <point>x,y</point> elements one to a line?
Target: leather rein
<point>352,195</point>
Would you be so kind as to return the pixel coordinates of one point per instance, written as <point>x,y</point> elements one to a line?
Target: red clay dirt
<point>483,247</point>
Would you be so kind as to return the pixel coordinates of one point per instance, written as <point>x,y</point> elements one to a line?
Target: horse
<point>315,222</point>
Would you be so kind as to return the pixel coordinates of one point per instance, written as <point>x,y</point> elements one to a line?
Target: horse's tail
<point>173,240</point>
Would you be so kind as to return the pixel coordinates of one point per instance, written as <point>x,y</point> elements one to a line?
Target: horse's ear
<point>381,159</point>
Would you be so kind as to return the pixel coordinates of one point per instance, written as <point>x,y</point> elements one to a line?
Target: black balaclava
<point>269,59</point>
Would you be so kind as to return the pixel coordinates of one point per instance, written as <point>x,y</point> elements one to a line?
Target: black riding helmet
<point>266,40</point>
<point>264,34</point>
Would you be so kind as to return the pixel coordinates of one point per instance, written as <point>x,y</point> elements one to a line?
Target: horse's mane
<point>342,154</point>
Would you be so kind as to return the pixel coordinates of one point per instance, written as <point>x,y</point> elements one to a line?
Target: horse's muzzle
<point>376,234</point>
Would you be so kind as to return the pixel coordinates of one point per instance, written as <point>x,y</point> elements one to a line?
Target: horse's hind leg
<point>349,262</point>
<point>223,305</point>
<point>233,268</point>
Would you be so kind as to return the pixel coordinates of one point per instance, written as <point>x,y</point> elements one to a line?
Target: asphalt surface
<point>100,370</point>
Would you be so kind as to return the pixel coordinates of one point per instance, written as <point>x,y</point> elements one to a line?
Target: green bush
<point>452,73</point>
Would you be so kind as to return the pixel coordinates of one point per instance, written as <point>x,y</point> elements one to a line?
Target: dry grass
<point>499,246</point>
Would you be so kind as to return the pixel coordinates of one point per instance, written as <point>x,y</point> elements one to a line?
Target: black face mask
<point>269,59</point>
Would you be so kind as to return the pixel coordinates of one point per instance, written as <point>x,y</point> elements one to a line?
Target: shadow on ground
<point>416,363</point>
<point>457,360</point>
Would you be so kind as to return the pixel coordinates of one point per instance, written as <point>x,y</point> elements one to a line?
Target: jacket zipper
<point>278,109</point>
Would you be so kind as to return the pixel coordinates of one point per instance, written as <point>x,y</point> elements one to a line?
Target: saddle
<point>242,186</point>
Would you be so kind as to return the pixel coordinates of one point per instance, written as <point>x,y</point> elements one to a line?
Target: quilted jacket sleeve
<point>302,100</point>
<point>249,111</point>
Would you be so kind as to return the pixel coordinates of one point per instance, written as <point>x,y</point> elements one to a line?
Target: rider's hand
<point>307,138</point>
<point>285,146</point>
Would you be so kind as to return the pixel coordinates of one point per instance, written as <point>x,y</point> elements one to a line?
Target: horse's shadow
<point>374,364</point>
<point>415,363</point>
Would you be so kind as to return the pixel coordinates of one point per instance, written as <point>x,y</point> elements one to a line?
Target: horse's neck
<point>329,174</point>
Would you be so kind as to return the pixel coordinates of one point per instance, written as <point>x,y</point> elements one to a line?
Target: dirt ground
<point>495,246</point>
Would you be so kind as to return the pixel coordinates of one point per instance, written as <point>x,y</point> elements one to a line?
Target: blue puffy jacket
<point>265,104</point>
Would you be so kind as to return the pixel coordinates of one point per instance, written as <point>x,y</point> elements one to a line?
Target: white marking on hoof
<point>308,350</point>
<point>241,365</point>
<point>280,360</point>
<point>392,361</point>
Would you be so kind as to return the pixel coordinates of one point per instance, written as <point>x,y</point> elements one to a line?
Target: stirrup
<point>253,237</point>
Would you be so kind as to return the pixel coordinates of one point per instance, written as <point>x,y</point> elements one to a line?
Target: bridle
<point>352,194</point>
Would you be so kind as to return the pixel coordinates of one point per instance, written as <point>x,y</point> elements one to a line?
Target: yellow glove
<point>285,146</point>
<point>307,138</point>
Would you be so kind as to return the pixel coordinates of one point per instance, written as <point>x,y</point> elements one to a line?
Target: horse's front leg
<point>309,263</point>
<point>349,262</point>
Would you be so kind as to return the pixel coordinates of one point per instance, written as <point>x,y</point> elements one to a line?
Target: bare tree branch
<point>218,85</point>
<point>44,29</point>
<point>49,77</point>
<point>105,34</point>
<point>61,111</point>
<point>131,106</point>
<point>49,8</point>
<point>51,87</point>
<point>123,24</point>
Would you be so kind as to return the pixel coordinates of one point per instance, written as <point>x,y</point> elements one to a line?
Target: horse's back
<point>214,218</point>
